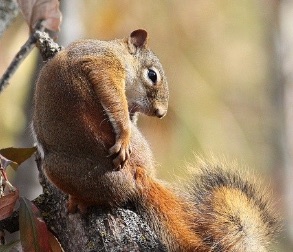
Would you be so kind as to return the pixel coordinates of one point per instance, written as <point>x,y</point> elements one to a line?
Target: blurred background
<point>229,66</point>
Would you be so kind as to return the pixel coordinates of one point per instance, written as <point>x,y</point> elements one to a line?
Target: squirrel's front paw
<point>121,149</point>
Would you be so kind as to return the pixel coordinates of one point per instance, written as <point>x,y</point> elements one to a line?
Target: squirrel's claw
<point>122,150</point>
<point>73,205</point>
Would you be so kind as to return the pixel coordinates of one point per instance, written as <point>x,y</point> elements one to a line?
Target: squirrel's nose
<point>160,112</point>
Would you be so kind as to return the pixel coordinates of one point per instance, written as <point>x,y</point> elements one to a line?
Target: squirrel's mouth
<point>138,108</point>
<point>156,111</point>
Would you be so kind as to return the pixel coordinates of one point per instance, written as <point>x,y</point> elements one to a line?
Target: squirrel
<point>86,102</point>
<point>123,76</point>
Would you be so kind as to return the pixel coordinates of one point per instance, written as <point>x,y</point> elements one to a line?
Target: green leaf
<point>8,247</point>
<point>15,156</point>
<point>33,230</point>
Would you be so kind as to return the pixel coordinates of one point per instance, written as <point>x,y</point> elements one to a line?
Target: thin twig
<point>48,48</point>
<point>19,57</point>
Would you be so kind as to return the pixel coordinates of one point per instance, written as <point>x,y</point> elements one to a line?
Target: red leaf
<point>55,246</point>
<point>46,10</point>
<point>4,162</point>
<point>7,203</point>
<point>15,156</point>
<point>33,230</point>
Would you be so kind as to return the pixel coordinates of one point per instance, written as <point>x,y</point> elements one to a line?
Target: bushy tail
<point>170,216</point>
<point>234,211</point>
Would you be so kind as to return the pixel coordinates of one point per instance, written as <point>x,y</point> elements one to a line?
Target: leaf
<point>15,156</point>
<point>7,203</point>
<point>37,10</point>
<point>54,243</point>
<point>4,162</point>
<point>10,246</point>
<point>33,230</point>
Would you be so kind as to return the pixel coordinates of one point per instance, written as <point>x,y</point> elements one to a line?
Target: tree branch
<point>20,56</point>
<point>8,12</point>
<point>48,48</point>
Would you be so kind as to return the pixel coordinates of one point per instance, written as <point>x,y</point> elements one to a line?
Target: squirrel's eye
<point>152,75</point>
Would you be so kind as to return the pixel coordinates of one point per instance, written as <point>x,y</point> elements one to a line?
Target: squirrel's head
<point>146,87</point>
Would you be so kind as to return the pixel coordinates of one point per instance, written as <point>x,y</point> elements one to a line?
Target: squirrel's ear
<point>137,39</point>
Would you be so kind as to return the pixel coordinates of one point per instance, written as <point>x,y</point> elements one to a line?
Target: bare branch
<point>8,11</point>
<point>20,56</point>
<point>48,48</point>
